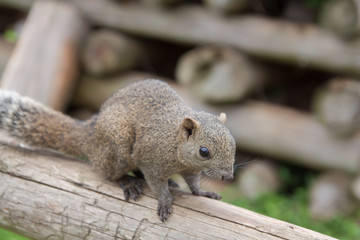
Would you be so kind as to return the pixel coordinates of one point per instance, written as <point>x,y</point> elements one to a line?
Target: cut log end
<point>337,106</point>
<point>107,52</point>
<point>218,74</point>
<point>341,17</point>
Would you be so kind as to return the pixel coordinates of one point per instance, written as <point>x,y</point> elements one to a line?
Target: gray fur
<point>146,126</point>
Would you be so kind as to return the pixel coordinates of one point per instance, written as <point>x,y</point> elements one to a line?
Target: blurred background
<point>286,73</point>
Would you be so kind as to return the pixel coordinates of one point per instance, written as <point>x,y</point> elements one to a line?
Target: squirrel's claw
<point>164,208</point>
<point>131,187</point>
<point>207,194</point>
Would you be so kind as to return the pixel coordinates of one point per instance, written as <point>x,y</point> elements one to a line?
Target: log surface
<point>48,197</point>
<point>44,63</point>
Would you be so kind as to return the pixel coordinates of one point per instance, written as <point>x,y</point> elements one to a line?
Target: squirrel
<point>145,128</point>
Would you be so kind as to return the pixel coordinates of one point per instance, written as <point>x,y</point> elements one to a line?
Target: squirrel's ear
<point>189,125</point>
<point>222,117</point>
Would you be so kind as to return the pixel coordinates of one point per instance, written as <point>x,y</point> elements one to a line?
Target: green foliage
<point>291,205</point>
<point>10,35</point>
<point>6,235</point>
<point>315,3</point>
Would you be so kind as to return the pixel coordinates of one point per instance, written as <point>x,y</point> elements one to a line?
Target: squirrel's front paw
<point>207,194</point>
<point>164,208</point>
<point>131,187</point>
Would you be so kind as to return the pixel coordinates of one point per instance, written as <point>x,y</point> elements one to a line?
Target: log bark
<point>219,74</point>
<point>44,63</point>
<point>48,197</point>
<point>293,43</point>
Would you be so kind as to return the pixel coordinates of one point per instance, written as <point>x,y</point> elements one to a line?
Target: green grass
<point>6,235</point>
<point>10,35</point>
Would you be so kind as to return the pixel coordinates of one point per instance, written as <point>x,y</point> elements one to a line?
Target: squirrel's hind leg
<point>116,169</point>
<point>131,186</point>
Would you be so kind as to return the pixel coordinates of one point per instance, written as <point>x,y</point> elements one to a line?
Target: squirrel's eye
<point>204,152</point>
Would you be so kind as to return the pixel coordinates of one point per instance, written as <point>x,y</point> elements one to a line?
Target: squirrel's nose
<point>227,177</point>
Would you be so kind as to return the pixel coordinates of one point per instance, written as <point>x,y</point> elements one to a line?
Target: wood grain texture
<point>44,63</point>
<point>48,197</point>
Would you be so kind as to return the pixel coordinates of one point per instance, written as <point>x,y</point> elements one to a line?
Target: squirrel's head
<point>207,145</point>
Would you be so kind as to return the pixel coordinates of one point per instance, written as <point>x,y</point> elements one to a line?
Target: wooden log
<point>298,44</point>
<point>108,52</point>
<point>44,63</point>
<point>341,17</point>
<point>276,131</point>
<point>48,197</point>
<point>219,74</point>
<point>6,50</point>
<point>337,106</point>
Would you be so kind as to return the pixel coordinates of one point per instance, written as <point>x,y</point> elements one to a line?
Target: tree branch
<point>48,197</point>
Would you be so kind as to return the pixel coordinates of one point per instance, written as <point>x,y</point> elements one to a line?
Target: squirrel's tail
<point>39,125</point>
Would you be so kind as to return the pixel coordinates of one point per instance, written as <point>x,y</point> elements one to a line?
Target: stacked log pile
<point>286,76</point>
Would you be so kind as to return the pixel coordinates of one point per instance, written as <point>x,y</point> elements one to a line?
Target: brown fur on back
<point>146,126</point>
